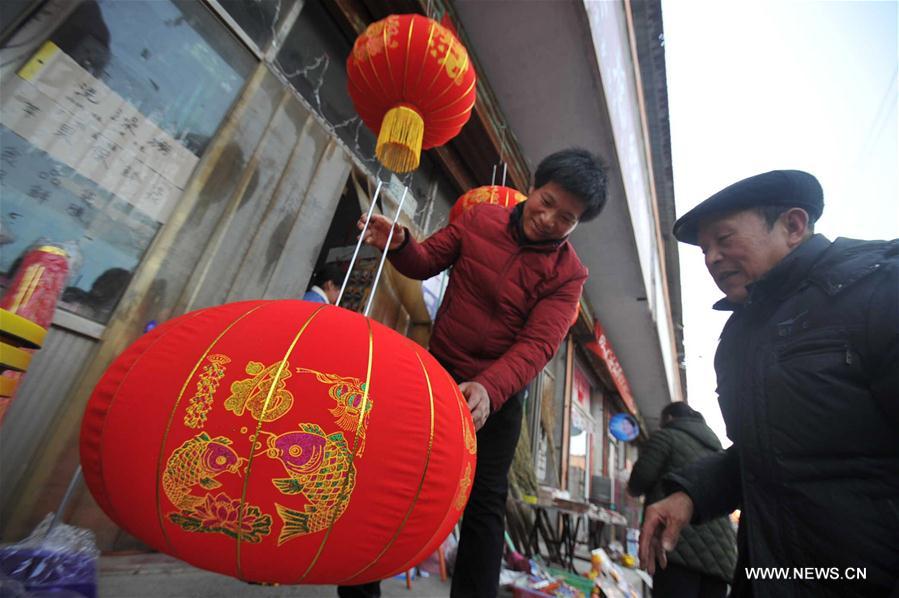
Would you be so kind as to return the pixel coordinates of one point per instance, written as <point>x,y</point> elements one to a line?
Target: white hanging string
<point>349,270</point>
<point>504,174</point>
<point>374,286</point>
<point>64,503</point>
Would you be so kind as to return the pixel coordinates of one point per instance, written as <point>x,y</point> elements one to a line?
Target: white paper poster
<point>60,108</point>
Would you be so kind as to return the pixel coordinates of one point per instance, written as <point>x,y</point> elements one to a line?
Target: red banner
<point>602,347</point>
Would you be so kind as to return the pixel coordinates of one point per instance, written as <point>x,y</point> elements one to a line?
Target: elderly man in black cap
<point>808,384</point>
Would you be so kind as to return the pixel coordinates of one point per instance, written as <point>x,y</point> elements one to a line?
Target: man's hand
<point>478,402</point>
<point>661,529</point>
<point>377,232</point>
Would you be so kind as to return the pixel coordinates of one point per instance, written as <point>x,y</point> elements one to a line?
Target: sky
<point>765,85</point>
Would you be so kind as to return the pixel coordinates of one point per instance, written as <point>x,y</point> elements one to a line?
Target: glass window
<point>549,444</point>
<point>547,450</point>
<point>580,436</point>
<point>313,59</point>
<point>11,12</point>
<point>100,131</point>
<point>259,20</point>
<point>438,211</point>
<point>599,440</point>
<point>621,455</point>
<point>557,400</point>
<point>578,455</point>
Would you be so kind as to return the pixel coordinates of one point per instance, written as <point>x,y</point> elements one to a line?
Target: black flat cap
<point>788,188</point>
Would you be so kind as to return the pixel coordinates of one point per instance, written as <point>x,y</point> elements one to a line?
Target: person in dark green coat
<point>702,563</point>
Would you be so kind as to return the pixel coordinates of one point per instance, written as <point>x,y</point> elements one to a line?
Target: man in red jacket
<point>512,296</point>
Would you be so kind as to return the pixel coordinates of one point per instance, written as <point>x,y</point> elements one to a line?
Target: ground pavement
<point>160,576</point>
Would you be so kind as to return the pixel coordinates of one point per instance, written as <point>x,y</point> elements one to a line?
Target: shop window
<point>600,438</point>
<point>581,433</point>
<point>621,456</point>
<point>313,59</point>
<point>578,453</point>
<point>100,131</point>
<point>259,20</point>
<point>437,214</point>
<point>12,12</point>
<point>549,445</point>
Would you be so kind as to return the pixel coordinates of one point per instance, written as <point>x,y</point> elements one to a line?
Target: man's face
<point>739,249</point>
<point>550,213</point>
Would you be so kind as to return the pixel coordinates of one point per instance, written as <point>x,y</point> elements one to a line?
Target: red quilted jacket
<point>508,304</point>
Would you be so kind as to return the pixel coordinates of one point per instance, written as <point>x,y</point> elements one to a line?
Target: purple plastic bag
<point>61,563</point>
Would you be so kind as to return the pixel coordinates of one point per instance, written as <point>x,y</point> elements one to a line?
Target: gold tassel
<point>399,141</point>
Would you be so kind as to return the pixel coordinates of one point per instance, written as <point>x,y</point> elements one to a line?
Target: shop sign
<point>602,347</point>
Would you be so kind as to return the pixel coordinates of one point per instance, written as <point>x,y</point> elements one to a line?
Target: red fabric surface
<point>490,194</point>
<point>167,444</point>
<point>414,61</point>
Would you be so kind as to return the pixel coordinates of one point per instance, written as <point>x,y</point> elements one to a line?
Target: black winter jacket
<point>709,548</point>
<point>808,384</point>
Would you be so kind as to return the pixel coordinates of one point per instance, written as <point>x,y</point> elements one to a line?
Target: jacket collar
<point>516,229</point>
<point>320,292</point>
<point>784,277</point>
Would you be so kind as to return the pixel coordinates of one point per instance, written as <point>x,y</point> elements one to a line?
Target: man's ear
<point>796,223</point>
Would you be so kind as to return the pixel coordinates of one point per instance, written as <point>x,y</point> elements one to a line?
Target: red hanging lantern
<point>38,284</point>
<point>492,194</point>
<point>281,441</point>
<point>29,303</point>
<point>412,83</point>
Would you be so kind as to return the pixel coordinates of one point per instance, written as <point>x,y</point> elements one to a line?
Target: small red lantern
<point>38,283</point>
<point>281,441</point>
<point>412,83</point>
<point>32,295</point>
<point>492,194</point>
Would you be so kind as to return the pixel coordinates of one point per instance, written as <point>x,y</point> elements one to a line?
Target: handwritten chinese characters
<point>60,108</point>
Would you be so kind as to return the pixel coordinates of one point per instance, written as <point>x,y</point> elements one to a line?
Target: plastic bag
<point>431,565</point>
<point>62,563</point>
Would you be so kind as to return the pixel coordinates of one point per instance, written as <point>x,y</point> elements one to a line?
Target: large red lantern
<point>282,442</point>
<point>491,194</point>
<point>412,83</point>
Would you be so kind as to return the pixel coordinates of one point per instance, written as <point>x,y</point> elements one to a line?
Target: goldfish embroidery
<point>197,462</point>
<point>320,467</point>
<point>350,396</point>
